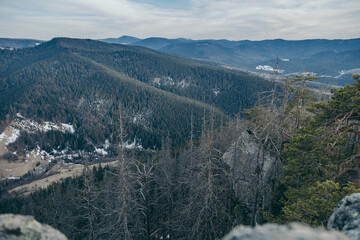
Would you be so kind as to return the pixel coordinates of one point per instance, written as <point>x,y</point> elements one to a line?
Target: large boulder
<point>18,227</point>
<point>254,168</point>
<point>346,217</point>
<point>294,231</point>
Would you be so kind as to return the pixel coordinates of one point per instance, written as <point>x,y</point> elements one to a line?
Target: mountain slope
<point>226,89</point>
<point>82,83</point>
<point>53,90</point>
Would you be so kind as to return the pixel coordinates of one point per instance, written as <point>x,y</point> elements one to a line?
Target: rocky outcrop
<point>18,227</point>
<point>344,224</point>
<point>254,170</point>
<point>346,217</point>
<point>292,231</point>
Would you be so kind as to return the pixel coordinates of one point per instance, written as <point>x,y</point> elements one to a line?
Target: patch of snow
<point>37,44</point>
<point>8,48</point>
<point>156,81</point>
<point>168,81</point>
<point>35,152</point>
<point>268,68</point>
<point>31,126</point>
<point>2,136</point>
<point>326,76</point>
<point>107,144</point>
<point>15,133</point>
<point>101,151</point>
<point>19,115</point>
<point>308,73</point>
<point>183,84</point>
<point>10,178</point>
<point>48,126</point>
<point>133,145</point>
<point>344,72</point>
<point>68,127</point>
<point>39,153</point>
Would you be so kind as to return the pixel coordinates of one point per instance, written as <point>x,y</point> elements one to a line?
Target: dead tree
<point>144,177</point>
<point>206,208</point>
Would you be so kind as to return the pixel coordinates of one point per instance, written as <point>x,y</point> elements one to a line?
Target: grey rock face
<point>292,231</point>
<point>346,217</point>
<point>18,227</point>
<point>253,167</point>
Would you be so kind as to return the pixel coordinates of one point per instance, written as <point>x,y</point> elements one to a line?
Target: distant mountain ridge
<point>299,55</point>
<point>333,60</point>
<point>18,42</point>
<point>123,40</point>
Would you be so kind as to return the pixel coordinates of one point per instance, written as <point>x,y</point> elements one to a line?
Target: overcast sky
<point>196,19</point>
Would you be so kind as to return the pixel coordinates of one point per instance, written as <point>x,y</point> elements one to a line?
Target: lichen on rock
<point>346,217</point>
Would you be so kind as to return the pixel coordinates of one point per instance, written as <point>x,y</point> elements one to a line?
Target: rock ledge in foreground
<point>293,231</point>
<point>18,227</point>
<point>346,217</point>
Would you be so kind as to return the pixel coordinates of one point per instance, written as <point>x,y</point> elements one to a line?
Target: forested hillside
<point>82,82</point>
<point>291,161</point>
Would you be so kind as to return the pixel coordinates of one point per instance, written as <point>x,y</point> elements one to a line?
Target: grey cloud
<point>232,19</point>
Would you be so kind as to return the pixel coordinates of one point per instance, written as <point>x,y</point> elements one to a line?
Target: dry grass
<point>23,164</point>
<point>56,174</point>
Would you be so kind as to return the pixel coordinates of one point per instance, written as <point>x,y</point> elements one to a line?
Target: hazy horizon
<point>183,38</point>
<point>195,19</point>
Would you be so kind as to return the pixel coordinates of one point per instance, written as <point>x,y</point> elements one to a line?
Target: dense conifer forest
<point>81,82</point>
